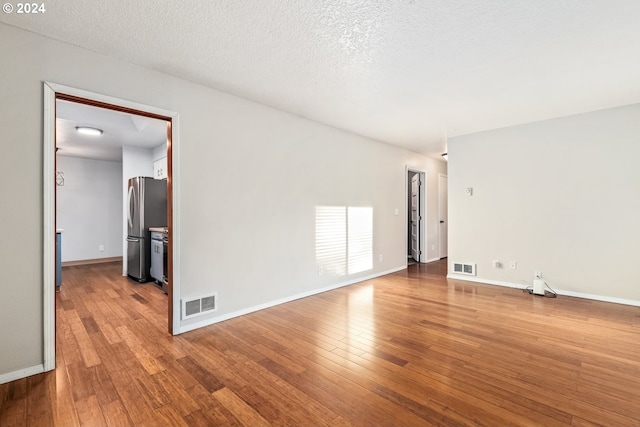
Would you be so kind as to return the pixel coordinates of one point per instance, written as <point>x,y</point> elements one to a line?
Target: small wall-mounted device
<point>469,191</point>
<point>538,286</point>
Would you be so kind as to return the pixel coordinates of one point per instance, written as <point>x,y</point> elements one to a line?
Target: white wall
<point>159,152</point>
<point>89,208</point>
<point>251,177</point>
<point>559,196</point>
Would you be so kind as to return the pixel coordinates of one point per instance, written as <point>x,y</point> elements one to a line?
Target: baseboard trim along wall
<point>211,321</point>
<point>92,261</point>
<point>21,373</point>
<point>558,291</point>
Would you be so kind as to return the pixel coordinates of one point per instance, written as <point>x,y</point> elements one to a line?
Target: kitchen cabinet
<point>156,258</point>
<point>160,168</point>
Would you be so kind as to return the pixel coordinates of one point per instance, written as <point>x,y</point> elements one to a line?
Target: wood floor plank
<point>369,408</point>
<point>139,350</point>
<point>179,396</point>
<point>238,407</point>
<point>65,413</point>
<point>39,389</point>
<point>85,347</point>
<point>325,391</point>
<point>90,413</point>
<point>296,400</point>
<point>411,348</point>
<point>115,414</point>
<point>134,402</point>
<point>202,375</point>
<point>167,415</point>
<point>212,412</point>
<point>13,410</point>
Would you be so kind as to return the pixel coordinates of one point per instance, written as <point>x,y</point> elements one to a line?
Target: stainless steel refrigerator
<point>147,201</point>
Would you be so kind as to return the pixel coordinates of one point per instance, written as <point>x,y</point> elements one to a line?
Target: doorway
<point>416,216</point>
<point>52,93</point>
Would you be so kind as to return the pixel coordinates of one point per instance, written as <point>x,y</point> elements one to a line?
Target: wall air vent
<point>462,268</point>
<point>198,306</point>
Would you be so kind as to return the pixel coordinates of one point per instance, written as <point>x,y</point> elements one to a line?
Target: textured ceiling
<point>410,73</point>
<point>118,129</point>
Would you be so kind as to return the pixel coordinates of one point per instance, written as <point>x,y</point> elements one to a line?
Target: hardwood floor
<point>405,349</point>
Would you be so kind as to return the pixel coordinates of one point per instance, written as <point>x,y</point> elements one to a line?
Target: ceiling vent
<point>462,268</point>
<point>198,306</point>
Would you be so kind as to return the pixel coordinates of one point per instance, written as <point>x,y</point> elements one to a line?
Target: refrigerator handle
<point>129,197</point>
<point>133,239</point>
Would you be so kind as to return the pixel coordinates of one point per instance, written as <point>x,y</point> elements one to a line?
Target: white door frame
<point>423,210</point>
<point>442,176</point>
<point>49,315</point>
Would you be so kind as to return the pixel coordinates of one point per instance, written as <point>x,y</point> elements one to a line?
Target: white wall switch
<point>513,264</point>
<point>469,191</point>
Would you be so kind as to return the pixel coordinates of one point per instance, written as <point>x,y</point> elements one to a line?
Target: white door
<point>415,217</point>
<point>442,207</point>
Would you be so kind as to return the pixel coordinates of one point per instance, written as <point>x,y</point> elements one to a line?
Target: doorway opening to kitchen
<point>67,112</point>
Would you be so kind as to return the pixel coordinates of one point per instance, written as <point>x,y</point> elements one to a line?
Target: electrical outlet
<point>513,264</point>
<point>101,248</point>
<point>380,258</point>
<point>537,275</point>
<point>320,270</point>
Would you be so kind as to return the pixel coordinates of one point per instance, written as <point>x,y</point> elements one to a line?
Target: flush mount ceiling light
<point>88,131</point>
<point>444,156</point>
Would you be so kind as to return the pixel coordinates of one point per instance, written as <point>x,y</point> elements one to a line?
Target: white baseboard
<point>558,291</point>
<point>485,281</point>
<point>599,298</point>
<point>21,373</point>
<point>422,262</point>
<point>217,319</point>
<point>92,261</point>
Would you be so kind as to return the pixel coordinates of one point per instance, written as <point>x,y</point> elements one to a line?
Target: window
<point>344,239</point>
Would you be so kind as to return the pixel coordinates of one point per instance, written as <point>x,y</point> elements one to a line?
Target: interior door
<point>443,208</point>
<point>415,217</point>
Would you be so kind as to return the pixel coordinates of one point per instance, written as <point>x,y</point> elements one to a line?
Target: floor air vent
<point>198,306</point>
<point>461,268</point>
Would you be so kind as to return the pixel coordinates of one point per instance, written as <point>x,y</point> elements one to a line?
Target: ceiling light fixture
<point>444,156</point>
<point>88,131</point>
